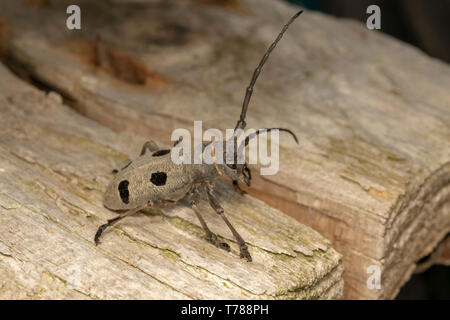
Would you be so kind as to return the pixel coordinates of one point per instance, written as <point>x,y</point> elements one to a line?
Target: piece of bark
<point>54,165</point>
<point>372,170</point>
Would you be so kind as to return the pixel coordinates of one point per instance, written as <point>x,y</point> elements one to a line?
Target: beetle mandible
<point>154,180</point>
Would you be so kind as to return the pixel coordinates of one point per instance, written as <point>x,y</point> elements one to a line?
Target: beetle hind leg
<point>113,221</point>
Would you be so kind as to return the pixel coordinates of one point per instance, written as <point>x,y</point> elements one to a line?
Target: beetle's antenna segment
<point>257,132</point>
<point>248,94</point>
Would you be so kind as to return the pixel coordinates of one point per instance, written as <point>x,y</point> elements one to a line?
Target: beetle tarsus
<point>238,189</point>
<point>218,208</point>
<point>244,254</point>
<point>99,233</point>
<point>103,227</point>
<point>114,220</point>
<point>215,241</point>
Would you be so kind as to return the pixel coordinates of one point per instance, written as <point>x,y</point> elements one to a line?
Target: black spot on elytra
<point>160,153</point>
<point>159,178</point>
<point>123,191</point>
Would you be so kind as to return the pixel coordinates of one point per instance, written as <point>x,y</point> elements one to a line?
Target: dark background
<point>426,25</point>
<point>422,23</point>
<point>432,284</point>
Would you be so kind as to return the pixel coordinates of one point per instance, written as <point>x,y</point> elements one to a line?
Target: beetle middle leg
<point>194,199</point>
<point>244,254</point>
<point>114,220</point>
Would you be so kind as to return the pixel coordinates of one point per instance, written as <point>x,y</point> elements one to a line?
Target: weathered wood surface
<point>439,256</point>
<point>372,170</point>
<point>54,165</point>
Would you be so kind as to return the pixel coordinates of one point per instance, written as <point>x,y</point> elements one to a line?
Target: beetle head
<point>237,172</point>
<point>234,165</point>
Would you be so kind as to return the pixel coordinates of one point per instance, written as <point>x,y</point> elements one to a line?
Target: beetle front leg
<point>194,199</point>
<point>114,220</point>
<point>244,254</point>
<point>178,141</point>
<point>238,189</point>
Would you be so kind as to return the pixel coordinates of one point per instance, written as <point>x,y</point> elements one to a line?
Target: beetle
<point>154,180</point>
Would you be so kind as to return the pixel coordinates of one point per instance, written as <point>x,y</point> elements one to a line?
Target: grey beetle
<point>154,180</point>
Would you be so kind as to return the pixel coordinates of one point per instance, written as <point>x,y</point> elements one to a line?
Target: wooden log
<point>54,165</point>
<point>372,170</point>
<point>439,256</point>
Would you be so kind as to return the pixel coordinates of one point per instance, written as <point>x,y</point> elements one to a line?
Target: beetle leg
<point>114,220</point>
<point>244,254</point>
<point>178,141</point>
<point>210,236</point>
<point>150,145</point>
<point>238,189</point>
<point>115,171</point>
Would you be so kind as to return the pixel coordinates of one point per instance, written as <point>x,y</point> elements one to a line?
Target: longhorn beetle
<point>154,180</point>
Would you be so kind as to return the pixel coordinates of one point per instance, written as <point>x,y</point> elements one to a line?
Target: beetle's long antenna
<point>257,132</point>
<point>248,94</point>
